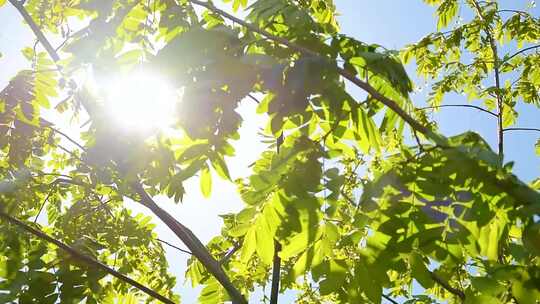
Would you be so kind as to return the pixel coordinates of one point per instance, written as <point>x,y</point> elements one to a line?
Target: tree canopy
<point>354,201</point>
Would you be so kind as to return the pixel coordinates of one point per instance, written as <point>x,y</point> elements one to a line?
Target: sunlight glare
<point>142,101</point>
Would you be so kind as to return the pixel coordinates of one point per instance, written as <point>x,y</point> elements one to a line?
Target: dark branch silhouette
<point>447,286</point>
<point>192,242</point>
<point>84,258</point>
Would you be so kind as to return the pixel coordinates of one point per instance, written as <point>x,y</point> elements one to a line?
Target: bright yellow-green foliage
<point>359,213</point>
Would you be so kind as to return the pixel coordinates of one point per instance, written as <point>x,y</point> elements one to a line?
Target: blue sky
<point>391,23</point>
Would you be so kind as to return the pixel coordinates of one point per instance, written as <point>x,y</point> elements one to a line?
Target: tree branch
<point>84,258</point>
<point>276,270</point>
<point>37,31</point>
<point>523,13</point>
<point>45,201</point>
<point>67,137</point>
<point>493,45</point>
<point>346,74</point>
<point>192,243</point>
<point>447,286</point>
<point>276,264</point>
<point>459,105</point>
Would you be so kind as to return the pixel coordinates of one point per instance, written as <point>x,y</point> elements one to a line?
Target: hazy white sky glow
<point>141,101</point>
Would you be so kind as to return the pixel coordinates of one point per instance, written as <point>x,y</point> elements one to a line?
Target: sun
<point>142,101</point>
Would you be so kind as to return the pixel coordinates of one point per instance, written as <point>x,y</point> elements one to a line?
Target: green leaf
<point>385,66</point>
<point>335,277</point>
<point>265,240</point>
<point>249,245</point>
<point>370,137</point>
<point>487,286</point>
<point>296,245</point>
<point>481,299</point>
<point>525,294</point>
<point>218,163</point>
<point>531,238</point>
<point>206,182</point>
<point>419,270</point>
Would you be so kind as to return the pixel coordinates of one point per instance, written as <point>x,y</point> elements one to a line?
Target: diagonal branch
<point>192,243</point>
<point>84,258</point>
<point>447,286</point>
<point>37,31</point>
<point>346,74</point>
<point>389,299</point>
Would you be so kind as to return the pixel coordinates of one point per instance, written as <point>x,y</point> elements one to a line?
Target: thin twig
<point>521,129</point>
<point>276,263</point>
<point>44,202</point>
<point>520,52</point>
<point>389,299</point>
<point>459,105</point>
<point>68,138</point>
<point>174,246</point>
<point>84,258</point>
<point>447,286</point>
<point>229,254</point>
<point>523,13</point>
<point>418,142</point>
<point>253,98</point>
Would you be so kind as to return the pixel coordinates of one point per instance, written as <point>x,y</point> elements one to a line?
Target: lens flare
<point>142,101</point>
